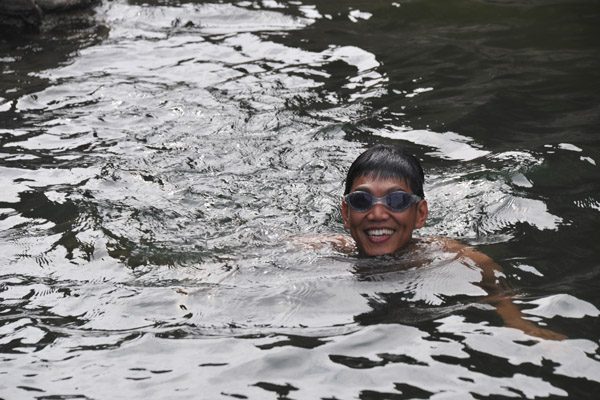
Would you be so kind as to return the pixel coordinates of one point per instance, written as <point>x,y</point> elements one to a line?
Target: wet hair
<point>387,162</point>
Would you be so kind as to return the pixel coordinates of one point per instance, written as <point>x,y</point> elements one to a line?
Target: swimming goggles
<point>395,201</point>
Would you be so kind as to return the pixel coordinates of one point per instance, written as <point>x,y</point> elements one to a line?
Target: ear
<point>422,213</point>
<point>345,214</point>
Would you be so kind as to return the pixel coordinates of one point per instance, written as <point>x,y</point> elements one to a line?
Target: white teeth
<point>379,232</point>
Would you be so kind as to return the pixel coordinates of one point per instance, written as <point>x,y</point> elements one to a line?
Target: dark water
<point>157,165</point>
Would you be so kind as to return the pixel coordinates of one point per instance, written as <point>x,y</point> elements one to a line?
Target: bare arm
<point>500,294</point>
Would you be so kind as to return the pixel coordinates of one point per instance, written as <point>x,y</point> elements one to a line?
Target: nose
<point>378,212</point>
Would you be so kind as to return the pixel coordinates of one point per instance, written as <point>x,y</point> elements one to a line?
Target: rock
<point>36,14</point>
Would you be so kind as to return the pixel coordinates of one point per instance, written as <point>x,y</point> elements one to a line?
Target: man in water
<point>383,200</point>
<point>384,203</point>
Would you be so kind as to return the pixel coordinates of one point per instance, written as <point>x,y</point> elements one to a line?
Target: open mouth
<point>379,233</point>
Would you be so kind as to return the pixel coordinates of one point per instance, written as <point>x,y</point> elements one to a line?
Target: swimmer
<point>384,203</point>
<point>384,200</point>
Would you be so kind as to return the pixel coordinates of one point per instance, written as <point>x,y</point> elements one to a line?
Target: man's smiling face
<point>379,230</point>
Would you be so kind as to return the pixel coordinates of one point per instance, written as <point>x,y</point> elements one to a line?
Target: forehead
<point>372,183</point>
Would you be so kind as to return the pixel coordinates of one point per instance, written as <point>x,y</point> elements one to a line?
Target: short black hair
<point>387,162</point>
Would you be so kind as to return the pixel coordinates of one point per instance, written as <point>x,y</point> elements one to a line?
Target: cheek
<point>352,220</point>
<point>404,221</point>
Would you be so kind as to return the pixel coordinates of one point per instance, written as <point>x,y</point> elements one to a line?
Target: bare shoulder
<point>491,271</point>
<point>463,250</point>
<point>448,244</point>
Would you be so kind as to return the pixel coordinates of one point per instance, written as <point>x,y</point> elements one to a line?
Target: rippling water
<point>158,166</point>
